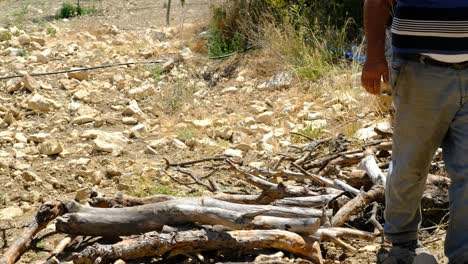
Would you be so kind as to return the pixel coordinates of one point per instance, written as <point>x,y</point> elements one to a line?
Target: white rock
<point>202,123</point>
<point>146,89</point>
<point>129,120</point>
<point>281,80</point>
<point>30,83</point>
<point>367,133</point>
<point>179,144</point>
<point>40,103</point>
<point>10,213</point>
<point>317,124</point>
<point>82,95</point>
<point>266,117</point>
<point>111,142</point>
<point>138,130</point>
<point>133,110</point>
<point>229,90</point>
<point>39,137</point>
<point>83,119</point>
<point>314,116</point>
<point>256,109</point>
<point>237,153</point>
<point>21,138</point>
<point>51,147</point>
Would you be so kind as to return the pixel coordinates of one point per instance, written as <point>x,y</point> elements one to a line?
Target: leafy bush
<point>309,36</point>
<point>69,10</point>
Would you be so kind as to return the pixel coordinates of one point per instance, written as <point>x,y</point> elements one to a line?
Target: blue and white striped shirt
<point>435,27</point>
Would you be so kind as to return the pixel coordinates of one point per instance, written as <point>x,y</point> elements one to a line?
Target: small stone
<point>51,147</point>
<point>30,83</point>
<point>39,137</point>
<point>257,109</point>
<point>266,117</point>
<point>110,142</point>
<point>133,110</point>
<point>21,138</point>
<point>10,213</point>
<point>365,134</point>
<point>337,107</point>
<point>202,123</point>
<point>40,103</point>
<point>24,39</point>
<point>83,119</point>
<point>30,176</point>
<point>281,80</point>
<point>96,177</point>
<point>237,153</point>
<point>123,187</point>
<point>138,131</point>
<point>369,248</point>
<point>82,194</point>
<point>129,120</point>
<point>79,75</point>
<point>229,90</point>
<point>318,124</point>
<point>179,144</point>
<point>146,89</point>
<point>38,40</point>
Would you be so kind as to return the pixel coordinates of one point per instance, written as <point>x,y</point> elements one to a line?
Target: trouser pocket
<point>397,68</point>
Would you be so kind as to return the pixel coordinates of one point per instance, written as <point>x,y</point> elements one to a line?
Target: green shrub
<point>224,39</point>
<point>69,10</point>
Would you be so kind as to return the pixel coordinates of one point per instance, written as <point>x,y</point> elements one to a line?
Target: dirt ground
<point>173,113</point>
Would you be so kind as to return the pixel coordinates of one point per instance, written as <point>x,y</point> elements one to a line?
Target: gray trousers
<point>431,111</point>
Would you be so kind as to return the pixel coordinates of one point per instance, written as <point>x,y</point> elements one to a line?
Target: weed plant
<point>69,10</point>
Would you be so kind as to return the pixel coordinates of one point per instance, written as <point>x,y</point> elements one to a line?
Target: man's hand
<point>372,74</point>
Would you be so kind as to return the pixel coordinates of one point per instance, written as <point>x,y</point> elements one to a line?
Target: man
<point>429,78</point>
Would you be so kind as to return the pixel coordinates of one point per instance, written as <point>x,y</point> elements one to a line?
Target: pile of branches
<point>305,199</point>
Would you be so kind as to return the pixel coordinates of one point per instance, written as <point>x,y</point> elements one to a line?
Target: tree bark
<point>152,217</point>
<point>46,213</point>
<point>186,242</point>
<point>376,193</point>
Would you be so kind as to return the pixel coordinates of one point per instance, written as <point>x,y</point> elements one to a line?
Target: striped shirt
<point>437,28</point>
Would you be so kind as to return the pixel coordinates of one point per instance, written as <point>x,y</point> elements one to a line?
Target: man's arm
<point>376,13</point>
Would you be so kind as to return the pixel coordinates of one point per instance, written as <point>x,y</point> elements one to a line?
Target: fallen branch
<point>376,193</point>
<point>186,242</point>
<point>47,212</point>
<point>111,222</point>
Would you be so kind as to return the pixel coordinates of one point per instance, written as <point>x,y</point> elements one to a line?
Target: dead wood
<point>46,213</point>
<point>186,242</point>
<point>335,235</point>
<point>376,193</point>
<point>152,217</point>
<point>311,201</point>
<point>369,164</point>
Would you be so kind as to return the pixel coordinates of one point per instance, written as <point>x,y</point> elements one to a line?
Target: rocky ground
<point>111,129</point>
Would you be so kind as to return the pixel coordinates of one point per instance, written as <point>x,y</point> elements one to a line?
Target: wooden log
<point>369,164</point>
<point>340,232</point>
<point>46,213</point>
<point>187,242</point>
<point>376,193</point>
<point>123,200</point>
<point>311,201</point>
<point>111,222</point>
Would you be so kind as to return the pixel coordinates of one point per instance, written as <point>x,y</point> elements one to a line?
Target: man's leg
<point>426,100</point>
<point>456,161</point>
